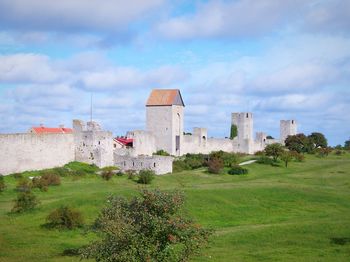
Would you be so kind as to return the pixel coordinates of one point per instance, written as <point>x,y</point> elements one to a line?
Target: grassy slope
<point>271,214</point>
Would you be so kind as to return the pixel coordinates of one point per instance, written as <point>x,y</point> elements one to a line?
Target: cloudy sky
<point>285,59</point>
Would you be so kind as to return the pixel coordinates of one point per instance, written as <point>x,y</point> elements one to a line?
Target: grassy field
<point>299,213</point>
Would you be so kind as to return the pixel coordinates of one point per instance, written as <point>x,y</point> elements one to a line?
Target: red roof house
<point>50,130</point>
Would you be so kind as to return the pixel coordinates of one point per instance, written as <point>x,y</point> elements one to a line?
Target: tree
<point>318,140</point>
<point>275,150</point>
<point>286,157</point>
<point>347,144</point>
<point>299,143</point>
<point>234,131</point>
<point>146,228</point>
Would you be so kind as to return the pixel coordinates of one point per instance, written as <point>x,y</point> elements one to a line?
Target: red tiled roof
<point>52,130</point>
<point>125,141</point>
<point>165,97</point>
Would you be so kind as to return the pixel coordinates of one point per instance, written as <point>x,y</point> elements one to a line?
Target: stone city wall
<point>159,164</point>
<point>26,151</point>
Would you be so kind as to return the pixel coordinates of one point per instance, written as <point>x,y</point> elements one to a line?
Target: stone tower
<point>244,123</point>
<point>287,128</point>
<point>164,118</point>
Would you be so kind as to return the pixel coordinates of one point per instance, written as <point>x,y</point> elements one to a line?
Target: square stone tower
<point>287,128</point>
<point>244,123</point>
<point>164,118</point>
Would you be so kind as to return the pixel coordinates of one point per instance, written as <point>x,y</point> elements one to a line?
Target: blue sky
<point>278,59</point>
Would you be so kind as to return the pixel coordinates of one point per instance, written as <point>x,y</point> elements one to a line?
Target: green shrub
<point>180,165</point>
<point>215,165</point>
<point>51,179</point>
<point>131,174</point>
<point>64,218</point>
<point>37,182</point>
<point>265,160</point>
<point>237,170</point>
<point>25,201</point>
<point>107,174</point>
<point>2,183</point>
<point>24,185</point>
<point>161,153</point>
<point>61,171</point>
<point>297,156</point>
<point>120,173</point>
<point>147,228</point>
<point>323,152</point>
<point>82,168</point>
<point>17,175</point>
<point>145,176</point>
<point>229,159</point>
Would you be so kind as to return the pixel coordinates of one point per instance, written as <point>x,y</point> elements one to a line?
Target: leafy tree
<point>318,140</point>
<point>275,150</point>
<point>347,144</point>
<point>269,137</point>
<point>146,228</point>
<point>286,157</point>
<point>234,131</point>
<point>2,183</point>
<point>299,143</point>
<point>25,201</point>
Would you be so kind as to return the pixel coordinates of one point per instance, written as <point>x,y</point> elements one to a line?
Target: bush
<point>323,152</point>
<point>107,174</point>
<point>229,159</point>
<point>64,218</point>
<point>195,160</point>
<point>2,183</point>
<point>82,168</point>
<point>131,174</point>
<point>180,165</point>
<point>339,152</point>
<point>51,179</point>
<point>147,228</point>
<point>146,176</point>
<point>17,175</point>
<point>215,165</point>
<point>39,183</point>
<point>120,173</point>
<point>297,156</point>
<point>25,201</point>
<point>238,170</point>
<point>264,160</point>
<point>259,153</point>
<point>24,185</point>
<point>61,171</point>
<point>161,153</point>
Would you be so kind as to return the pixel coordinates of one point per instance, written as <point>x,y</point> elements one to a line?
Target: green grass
<point>271,214</point>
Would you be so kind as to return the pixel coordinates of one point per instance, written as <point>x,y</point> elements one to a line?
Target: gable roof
<point>165,97</point>
<point>51,130</point>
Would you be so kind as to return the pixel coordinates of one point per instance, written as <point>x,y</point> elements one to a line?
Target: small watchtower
<point>164,118</point>
<point>287,128</point>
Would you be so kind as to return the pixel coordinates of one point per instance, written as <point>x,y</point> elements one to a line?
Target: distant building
<point>50,130</point>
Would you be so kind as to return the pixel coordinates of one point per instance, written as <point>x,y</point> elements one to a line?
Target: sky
<point>285,59</point>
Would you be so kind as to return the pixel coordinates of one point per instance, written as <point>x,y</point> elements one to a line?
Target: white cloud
<point>232,18</point>
<point>27,68</point>
<point>68,15</point>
